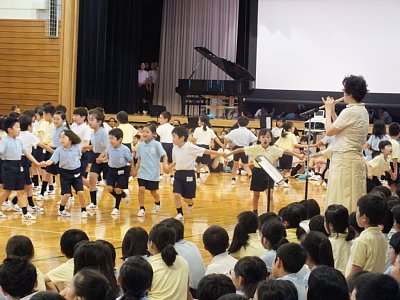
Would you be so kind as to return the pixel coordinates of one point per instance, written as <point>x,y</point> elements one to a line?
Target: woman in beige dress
<point>347,174</point>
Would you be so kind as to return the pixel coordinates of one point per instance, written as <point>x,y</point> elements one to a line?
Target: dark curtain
<point>111,34</point>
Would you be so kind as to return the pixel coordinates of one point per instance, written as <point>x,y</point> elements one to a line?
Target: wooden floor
<point>217,202</point>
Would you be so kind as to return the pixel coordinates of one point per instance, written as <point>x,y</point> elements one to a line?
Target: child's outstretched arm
<point>236,151</point>
<point>31,158</point>
<point>291,153</point>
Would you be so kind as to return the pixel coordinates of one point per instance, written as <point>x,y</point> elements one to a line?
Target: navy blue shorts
<point>98,168</point>
<point>259,180</point>
<point>70,178</point>
<point>38,154</point>
<point>149,185</point>
<point>168,148</point>
<point>118,177</point>
<point>205,159</point>
<point>240,156</point>
<point>285,162</point>
<point>13,175</point>
<point>85,160</point>
<point>26,164</point>
<point>185,183</point>
<point>46,157</point>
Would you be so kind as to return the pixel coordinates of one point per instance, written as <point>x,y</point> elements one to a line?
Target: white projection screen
<point>312,44</point>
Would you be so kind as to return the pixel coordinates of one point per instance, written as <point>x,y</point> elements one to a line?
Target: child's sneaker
<point>189,208</point>
<point>15,207</point>
<point>50,193</point>
<point>64,213</point>
<point>126,196</point>
<point>233,181</point>
<point>91,206</point>
<point>141,213</point>
<point>6,203</point>
<point>40,197</point>
<point>98,195</point>
<point>115,211</point>
<point>179,217</point>
<point>35,209</point>
<point>198,180</point>
<point>2,215</point>
<point>28,216</point>
<point>156,209</point>
<point>71,199</point>
<point>84,214</point>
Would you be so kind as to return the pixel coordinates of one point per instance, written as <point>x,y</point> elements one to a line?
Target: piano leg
<point>240,104</point>
<point>183,104</point>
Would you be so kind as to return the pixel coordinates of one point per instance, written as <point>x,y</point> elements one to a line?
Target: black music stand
<point>272,172</point>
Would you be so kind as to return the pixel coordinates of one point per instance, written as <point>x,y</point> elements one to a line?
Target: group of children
<point>271,256</point>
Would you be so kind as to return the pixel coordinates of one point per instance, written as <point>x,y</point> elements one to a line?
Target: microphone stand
<point>309,114</point>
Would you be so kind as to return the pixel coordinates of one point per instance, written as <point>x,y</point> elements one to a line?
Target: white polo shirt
<point>241,137</point>
<point>164,131</point>
<point>204,137</point>
<point>185,157</point>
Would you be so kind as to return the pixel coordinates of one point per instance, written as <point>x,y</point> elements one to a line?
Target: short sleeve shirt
<point>129,132</point>
<point>379,165</point>
<point>150,155</point>
<point>353,124</point>
<point>288,142</point>
<point>241,137</point>
<point>68,158</point>
<point>185,157</point>
<point>272,153</point>
<point>29,140</point>
<point>395,150</point>
<point>62,275</point>
<point>164,131</point>
<point>118,157</point>
<point>11,148</point>
<point>99,140</point>
<point>204,137</point>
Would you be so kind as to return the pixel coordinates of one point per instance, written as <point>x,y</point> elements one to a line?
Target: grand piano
<point>197,90</point>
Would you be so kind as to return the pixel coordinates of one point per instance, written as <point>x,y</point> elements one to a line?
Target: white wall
<point>23,9</point>
<point>313,44</point>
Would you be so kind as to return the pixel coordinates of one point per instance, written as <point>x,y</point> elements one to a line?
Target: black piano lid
<point>234,70</point>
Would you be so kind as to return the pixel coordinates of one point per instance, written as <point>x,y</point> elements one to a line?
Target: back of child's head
<point>111,248</point>
<point>275,232</point>
<point>205,120</point>
<point>374,207</point>
<point>394,129</point>
<point>14,114</point>
<point>293,257</point>
<point>312,208</point>
<point>164,239</point>
<point>354,225</point>
<point>24,122</point>
<point>90,284</point>
<point>166,115</point>
<point>379,128</point>
<point>233,296</point>
<point>291,217</point>
<point>252,269</point>
<point>72,136</point>
<point>395,242</point>
<point>382,189</point>
<point>266,217</point>
<point>9,123</point>
<point>396,214</point>
<point>49,109</point>
<point>176,226</point>
<point>81,111</point>
<point>29,112</point>
<point>21,246</point>
<point>243,121</point>
<point>388,220</point>
<point>17,276</point>
<point>70,239</point>
<point>47,295</point>
<point>318,248</point>
<point>95,255</point>
<point>327,283</point>
<point>276,290</point>
<point>286,127</point>
<point>135,277</point>
<point>213,286</point>
<point>337,220</point>
<point>122,117</point>
<point>216,240</point>
<point>247,223</point>
<point>375,286</point>
<point>317,223</point>
<point>181,131</point>
<point>135,243</point>
<point>61,108</point>
<point>117,133</point>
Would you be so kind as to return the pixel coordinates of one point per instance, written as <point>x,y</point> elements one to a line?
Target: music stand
<point>272,172</point>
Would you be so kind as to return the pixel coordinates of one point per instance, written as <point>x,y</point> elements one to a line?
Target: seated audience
<point>135,243</point>
<point>276,290</point>
<point>327,283</point>
<point>213,286</point>
<point>375,286</point>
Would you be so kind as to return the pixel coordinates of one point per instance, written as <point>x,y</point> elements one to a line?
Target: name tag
<point>189,179</point>
<point>152,150</point>
<point>21,169</point>
<point>121,172</point>
<point>77,175</point>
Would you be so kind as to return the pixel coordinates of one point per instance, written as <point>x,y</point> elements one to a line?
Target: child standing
<point>127,129</point>
<point>11,150</point>
<point>68,157</point>
<point>287,141</point>
<point>164,131</point>
<point>394,132</point>
<point>119,157</point>
<point>202,137</point>
<point>378,135</point>
<point>240,137</point>
<point>277,131</point>
<point>99,139</point>
<point>184,155</point>
<point>369,250</point>
<point>261,181</point>
<point>148,155</point>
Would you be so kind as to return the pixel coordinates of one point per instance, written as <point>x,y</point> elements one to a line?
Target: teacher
<point>347,174</point>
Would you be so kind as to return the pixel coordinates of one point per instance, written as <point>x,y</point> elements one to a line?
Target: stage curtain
<point>108,54</point>
<point>187,24</point>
